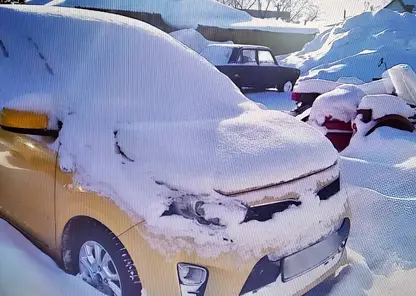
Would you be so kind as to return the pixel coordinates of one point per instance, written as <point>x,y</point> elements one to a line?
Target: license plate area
<point>318,254</point>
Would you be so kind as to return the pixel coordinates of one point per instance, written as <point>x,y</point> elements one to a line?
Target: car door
<point>27,182</point>
<point>270,72</point>
<point>248,68</point>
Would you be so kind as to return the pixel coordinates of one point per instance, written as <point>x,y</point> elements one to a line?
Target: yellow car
<point>278,224</point>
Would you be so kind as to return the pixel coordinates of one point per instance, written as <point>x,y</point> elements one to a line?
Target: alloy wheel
<point>97,268</point>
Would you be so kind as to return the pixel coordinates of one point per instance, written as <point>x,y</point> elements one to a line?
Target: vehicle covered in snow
<point>251,66</point>
<point>142,176</point>
<point>333,107</point>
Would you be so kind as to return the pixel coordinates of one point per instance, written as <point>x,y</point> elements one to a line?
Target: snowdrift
<point>183,127</point>
<point>363,46</point>
<point>185,14</point>
<point>25,270</point>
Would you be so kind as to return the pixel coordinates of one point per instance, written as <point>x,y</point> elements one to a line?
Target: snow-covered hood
<point>256,149</point>
<point>265,148</point>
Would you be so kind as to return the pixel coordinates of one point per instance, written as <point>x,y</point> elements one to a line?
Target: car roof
<point>243,46</point>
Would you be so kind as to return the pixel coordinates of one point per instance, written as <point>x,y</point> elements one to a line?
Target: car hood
<point>258,148</point>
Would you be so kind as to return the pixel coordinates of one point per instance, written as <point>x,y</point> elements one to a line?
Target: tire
<point>286,87</point>
<point>82,235</point>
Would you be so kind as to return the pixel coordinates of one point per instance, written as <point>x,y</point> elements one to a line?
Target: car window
<point>266,58</point>
<point>247,57</point>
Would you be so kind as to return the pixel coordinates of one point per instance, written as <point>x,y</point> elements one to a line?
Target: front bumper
<point>294,274</point>
<point>301,268</point>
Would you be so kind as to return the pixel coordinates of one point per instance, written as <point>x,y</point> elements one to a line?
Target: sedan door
<point>27,184</point>
<point>248,68</point>
<point>270,72</point>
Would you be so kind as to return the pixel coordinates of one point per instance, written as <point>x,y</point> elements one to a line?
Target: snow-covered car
<point>251,66</point>
<point>389,101</point>
<point>132,171</point>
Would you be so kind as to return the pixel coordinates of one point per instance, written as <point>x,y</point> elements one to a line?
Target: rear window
<point>217,54</point>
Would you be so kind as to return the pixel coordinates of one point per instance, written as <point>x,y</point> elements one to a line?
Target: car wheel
<point>287,87</point>
<point>101,260</point>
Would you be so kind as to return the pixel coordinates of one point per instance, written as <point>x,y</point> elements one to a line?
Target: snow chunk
<point>340,104</point>
<point>382,105</point>
<point>382,86</point>
<point>404,80</point>
<point>363,47</point>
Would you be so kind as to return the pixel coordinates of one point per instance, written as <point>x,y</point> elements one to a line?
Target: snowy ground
<point>382,193</point>
<point>382,257</point>
<point>36,274</point>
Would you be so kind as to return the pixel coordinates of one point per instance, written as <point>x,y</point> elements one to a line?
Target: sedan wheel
<point>98,269</point>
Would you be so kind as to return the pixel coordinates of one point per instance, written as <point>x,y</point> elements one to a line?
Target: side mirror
<point>26,122</point>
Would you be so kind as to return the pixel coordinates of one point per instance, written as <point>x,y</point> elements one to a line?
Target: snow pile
<point>382,105</point>
<point>395,163</point>
<point>25,270</point>
<point>185,14</point>
<point>404,79</point>
<point>340,104</point>
<point>166,125</point>
<point>363,47</point>
<point>193,39</point>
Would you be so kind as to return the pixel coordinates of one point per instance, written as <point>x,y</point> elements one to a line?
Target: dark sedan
<point>251,66</point>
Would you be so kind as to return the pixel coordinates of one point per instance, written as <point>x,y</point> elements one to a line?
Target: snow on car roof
<point>234,45</point>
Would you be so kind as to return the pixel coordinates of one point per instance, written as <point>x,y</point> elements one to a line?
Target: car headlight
<point>191,207</point>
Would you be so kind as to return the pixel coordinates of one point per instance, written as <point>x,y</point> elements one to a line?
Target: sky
<point>333,10</point>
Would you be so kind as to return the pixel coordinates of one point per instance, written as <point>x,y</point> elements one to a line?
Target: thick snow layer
<point>340,104</point>
<point>382,86</point>
<point>319,86</point>
<point>165,123</point>
<point>185,14</point>
<point>382,105</point>
<point>25,270</point>
<point>193,39</point>
<point>363,46</point>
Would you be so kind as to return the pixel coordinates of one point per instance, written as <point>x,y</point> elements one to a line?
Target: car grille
<point>265,212</point>
<point>329,190</point>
